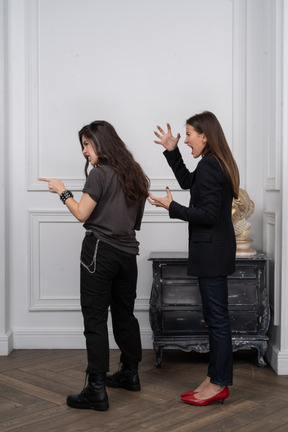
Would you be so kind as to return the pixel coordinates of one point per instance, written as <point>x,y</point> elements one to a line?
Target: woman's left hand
<point>54,185</point>
<point>161,202</point>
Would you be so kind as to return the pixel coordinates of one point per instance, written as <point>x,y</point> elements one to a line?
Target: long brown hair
<point>112,151</point>
<point>216,145</point>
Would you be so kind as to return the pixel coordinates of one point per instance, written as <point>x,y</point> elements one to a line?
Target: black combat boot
<point>126,378</point>
<point>93,396</point>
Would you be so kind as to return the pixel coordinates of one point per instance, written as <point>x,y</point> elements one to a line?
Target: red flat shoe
<point>190,393</point>
<point>222,395</point>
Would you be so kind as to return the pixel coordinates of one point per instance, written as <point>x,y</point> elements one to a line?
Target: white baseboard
<point>278,360</point>
<point>6,343</point>
<point>24,338</point>
<point>64,339</point>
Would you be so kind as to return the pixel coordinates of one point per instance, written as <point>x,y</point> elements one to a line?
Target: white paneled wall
<point>81,61</point>
<point>135,64</point>
<point>113,60</point>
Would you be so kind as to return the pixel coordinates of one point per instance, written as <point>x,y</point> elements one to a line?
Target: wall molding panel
<point>46,223</point>
<point>38,301</point>
<point>33,105</point>
<point>239,88</point>
<point>274,93</point>
<point>272,246</point>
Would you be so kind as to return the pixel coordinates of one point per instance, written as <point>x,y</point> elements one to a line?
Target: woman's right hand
<point>166,139</point>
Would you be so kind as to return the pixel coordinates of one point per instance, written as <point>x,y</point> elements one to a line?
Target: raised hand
<point>166,139</point>
<point>161,202</point>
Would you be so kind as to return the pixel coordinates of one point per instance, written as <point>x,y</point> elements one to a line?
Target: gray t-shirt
<point>113,220</point>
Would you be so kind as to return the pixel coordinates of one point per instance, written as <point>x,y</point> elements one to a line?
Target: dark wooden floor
<point>34,385</point>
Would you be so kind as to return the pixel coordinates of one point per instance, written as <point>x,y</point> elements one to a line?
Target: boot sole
<point>98,406</point>
<point>123,386</point>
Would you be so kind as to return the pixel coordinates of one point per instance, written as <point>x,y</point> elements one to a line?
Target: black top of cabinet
<point>183,256</point>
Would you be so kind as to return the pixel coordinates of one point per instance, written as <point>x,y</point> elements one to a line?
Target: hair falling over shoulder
<point>217,145</point>
<point>112,151</point>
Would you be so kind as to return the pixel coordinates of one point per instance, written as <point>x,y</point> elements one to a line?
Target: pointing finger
<point>43,179</point>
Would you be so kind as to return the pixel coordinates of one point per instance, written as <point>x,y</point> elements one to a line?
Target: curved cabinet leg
<point>158,352</point>
<point>261,352</point>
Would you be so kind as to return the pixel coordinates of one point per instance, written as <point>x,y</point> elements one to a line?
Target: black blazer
<point>212,244</point>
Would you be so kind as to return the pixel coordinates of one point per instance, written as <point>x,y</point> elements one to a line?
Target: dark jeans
<point>113,284</point>
<point>214,294</point>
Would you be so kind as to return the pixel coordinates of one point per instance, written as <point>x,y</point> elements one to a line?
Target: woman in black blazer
<point>212,244</point>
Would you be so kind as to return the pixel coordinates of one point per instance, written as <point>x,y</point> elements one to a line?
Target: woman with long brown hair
<point>212,245</point>
<point>111,207</point>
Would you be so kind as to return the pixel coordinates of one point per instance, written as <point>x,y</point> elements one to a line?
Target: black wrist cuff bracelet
<point>65,195</point>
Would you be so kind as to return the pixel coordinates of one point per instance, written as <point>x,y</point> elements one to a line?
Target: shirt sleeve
<point>94,184</point>
<point>182,174</point>
<point>210,178</point>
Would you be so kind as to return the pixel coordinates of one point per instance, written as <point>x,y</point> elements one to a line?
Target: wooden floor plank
<point>27,357</point>
<point>31,389</point>
<point>49,381</point>
<point>282,428</point>
<point>267,422</point>
<point>6,405</point>
<point>241,421</point>
<point>21,415</point>
<point>52,417</point>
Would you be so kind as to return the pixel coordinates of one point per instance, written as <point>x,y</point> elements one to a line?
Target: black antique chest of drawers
<point>176,311</point>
